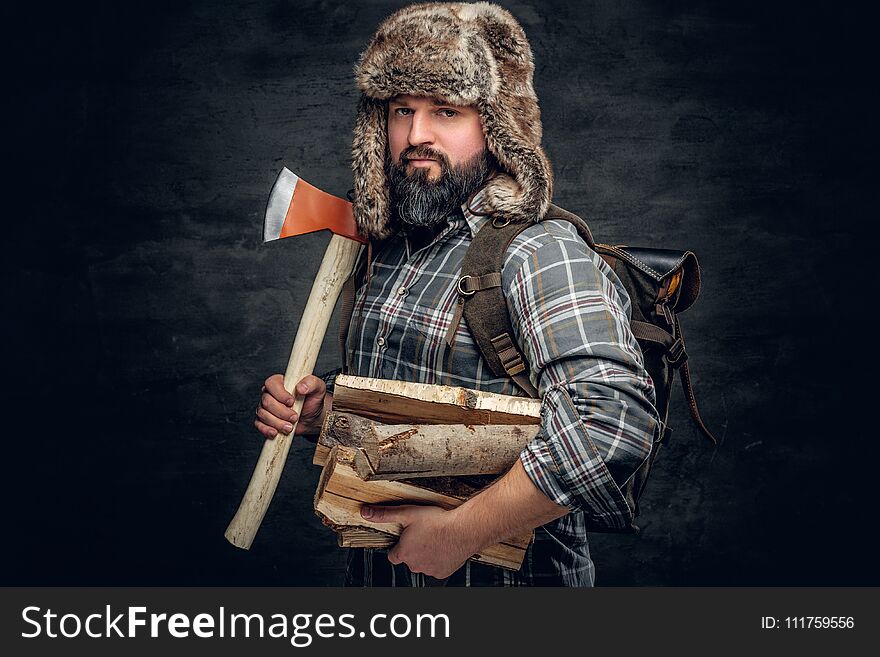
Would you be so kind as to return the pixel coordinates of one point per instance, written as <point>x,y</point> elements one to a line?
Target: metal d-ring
<point>461,290</point>
<point>498,224</point>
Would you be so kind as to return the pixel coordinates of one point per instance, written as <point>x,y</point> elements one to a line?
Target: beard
<point>419,201</point>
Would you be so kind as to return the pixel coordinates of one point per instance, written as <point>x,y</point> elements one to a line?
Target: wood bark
<point>393,452</point>
<point>397,402</point>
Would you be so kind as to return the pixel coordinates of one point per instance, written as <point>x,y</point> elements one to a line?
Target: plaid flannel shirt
<point>570,316</point>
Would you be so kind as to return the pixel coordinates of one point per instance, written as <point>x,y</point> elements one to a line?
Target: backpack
<point>659,282</point>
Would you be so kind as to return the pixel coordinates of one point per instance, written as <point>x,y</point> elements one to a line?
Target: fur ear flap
<point>524,195</point>
<point>371,204</point>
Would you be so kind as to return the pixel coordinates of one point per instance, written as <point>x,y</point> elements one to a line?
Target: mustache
<point>424,153</point>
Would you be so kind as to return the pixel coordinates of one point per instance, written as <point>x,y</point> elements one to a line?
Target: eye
<point>448,113</point>
<point>402,111</point>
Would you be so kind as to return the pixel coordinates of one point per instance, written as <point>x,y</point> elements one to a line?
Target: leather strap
<point>652,333</point>
<point>677,358</point>
<point>482,303</point>
<point>470,284</point>
<point>672,345</point>
<point>456,320</point>
<point>689,392</point>
<point>346,308</point>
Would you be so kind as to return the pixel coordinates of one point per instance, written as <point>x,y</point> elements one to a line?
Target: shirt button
<point>380,342</point>
<point>401,290</point>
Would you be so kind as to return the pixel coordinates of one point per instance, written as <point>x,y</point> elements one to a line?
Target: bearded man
<point>448,139</point>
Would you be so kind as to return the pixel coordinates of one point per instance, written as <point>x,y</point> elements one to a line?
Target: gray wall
<point>143,312</point>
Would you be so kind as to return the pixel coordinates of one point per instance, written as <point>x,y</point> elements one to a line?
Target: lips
<point>420,163</point>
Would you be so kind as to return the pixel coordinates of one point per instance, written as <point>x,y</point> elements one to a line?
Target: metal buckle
<point>461,290</point>
<point>676,355</point>
<point>498,224</point>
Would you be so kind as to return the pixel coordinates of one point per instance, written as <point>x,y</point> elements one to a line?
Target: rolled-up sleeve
<point>598,421</point>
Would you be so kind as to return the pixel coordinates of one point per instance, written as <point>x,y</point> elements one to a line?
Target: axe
<point>297,208</point>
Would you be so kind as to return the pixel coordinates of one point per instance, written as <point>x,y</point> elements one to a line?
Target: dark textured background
<point>142,311</point>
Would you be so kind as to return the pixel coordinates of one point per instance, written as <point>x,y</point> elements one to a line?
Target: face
<point>423,131</point>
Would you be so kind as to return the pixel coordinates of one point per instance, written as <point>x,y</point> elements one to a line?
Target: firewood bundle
<point>391,442</point>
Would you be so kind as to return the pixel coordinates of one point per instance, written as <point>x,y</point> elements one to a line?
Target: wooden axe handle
<point>335,269</point>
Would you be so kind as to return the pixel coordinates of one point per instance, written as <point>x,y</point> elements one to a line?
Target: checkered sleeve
<point>598,421</point>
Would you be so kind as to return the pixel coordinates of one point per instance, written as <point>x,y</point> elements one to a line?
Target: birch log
<point>392,452</point>
<point>396,402</point>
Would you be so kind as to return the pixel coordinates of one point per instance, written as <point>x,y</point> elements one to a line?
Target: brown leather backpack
<point>661,283</point>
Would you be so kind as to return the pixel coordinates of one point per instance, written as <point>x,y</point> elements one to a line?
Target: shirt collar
<point>474,212</point>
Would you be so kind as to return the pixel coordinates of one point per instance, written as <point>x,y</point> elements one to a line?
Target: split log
<point>364,537</point>
<point>341,493</point>
<point>394,451</point>
<point>396,402</point>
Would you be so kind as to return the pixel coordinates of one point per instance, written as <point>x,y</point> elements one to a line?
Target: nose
<point>420,129</point>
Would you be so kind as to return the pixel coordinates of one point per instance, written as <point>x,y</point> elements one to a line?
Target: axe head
<point>295,208</point>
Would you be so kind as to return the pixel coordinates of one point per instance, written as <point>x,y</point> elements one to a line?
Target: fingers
<point>276,409</point>
<point>385,513</point>
<point>312,412</point>
<point>270,425</point>
<point>274,386</point>
<point>275,414</point>
<point>267,431</point>
<point>394,555</point>
<point>308,385</point>
<point>311,385</point>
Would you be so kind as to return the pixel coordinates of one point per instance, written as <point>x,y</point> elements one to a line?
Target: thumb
<point>377,513</point>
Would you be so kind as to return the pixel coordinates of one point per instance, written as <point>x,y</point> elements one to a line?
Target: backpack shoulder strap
<point>347,298</point>
<point>555,212</point>
<point>346,310</point>
<point>481,300</point>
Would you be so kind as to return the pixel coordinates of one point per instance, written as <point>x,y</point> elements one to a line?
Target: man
<point>447,138</point>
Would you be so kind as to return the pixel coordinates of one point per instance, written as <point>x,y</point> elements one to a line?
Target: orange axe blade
<point>295,208</point>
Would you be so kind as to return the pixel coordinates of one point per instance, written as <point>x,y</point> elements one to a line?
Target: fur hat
<point>467,54</point>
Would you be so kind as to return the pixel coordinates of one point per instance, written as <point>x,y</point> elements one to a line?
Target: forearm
<point>437,542</point>
<point>512,505</point>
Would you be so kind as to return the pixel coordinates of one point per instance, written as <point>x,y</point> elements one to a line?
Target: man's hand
<point>275,413</point>
<point>432,541</point>
<point>438,542</point>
